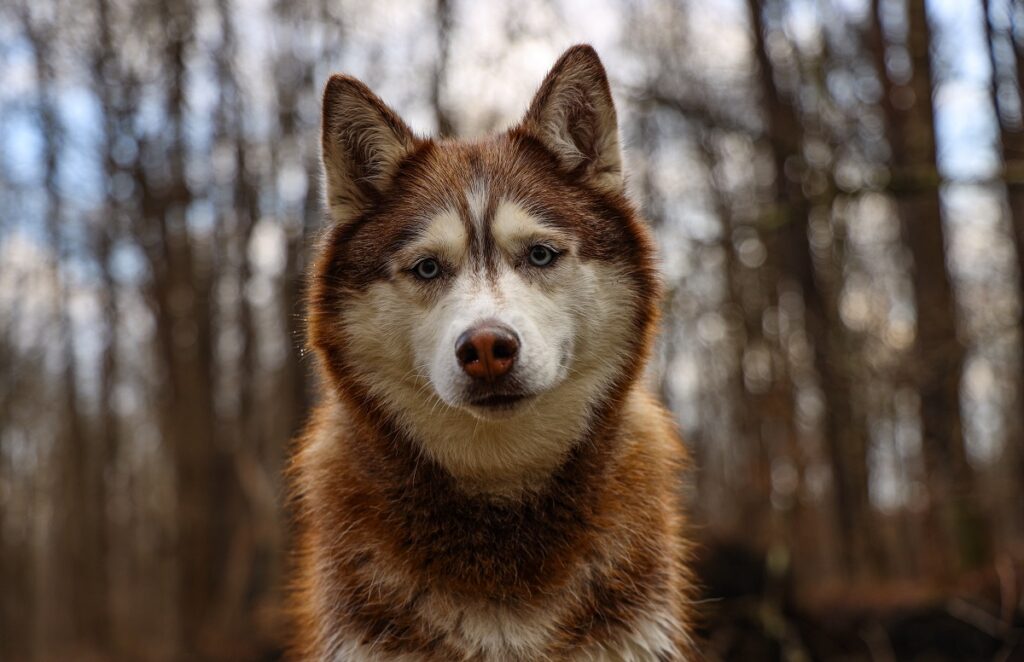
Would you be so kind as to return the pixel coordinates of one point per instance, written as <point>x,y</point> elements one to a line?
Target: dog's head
<point>488,297</point>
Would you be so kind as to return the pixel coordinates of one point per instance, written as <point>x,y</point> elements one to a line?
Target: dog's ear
<point>362,144</point>
<point>573,115</point>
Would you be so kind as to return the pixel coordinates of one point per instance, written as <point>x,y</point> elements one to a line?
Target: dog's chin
<point>498,406</point>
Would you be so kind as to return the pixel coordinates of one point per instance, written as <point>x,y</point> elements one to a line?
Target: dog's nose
<point>487,351</point>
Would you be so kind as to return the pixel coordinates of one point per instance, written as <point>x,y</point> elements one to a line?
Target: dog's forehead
<point>480,196</point>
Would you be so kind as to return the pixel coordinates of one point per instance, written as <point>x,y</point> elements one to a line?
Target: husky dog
<point>486,478</point>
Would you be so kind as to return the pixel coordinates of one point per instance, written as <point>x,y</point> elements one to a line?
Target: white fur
<point>445,237</point>
<point>488,630</point>
<point>476,197</point>
<point>644,641</point>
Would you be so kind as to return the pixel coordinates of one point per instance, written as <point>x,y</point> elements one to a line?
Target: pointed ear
<point>362,144</point>
<point>573,115</point>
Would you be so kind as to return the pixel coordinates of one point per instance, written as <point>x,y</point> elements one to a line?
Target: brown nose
<point>487,351</point>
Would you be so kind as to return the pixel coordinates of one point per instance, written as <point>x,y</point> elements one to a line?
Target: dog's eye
<point>541,256</point>
<point>427,269</point>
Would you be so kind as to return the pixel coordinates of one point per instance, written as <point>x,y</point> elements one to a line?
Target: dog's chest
<point>495,636</point>
<point>483,632</point>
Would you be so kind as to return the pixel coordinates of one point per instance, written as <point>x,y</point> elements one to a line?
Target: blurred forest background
<point>837,187</point>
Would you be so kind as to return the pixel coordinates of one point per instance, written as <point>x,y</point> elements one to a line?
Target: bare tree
<point>843,430</point>
<point>939,353</point>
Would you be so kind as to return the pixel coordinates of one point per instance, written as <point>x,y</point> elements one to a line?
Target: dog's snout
<point>487,351</point>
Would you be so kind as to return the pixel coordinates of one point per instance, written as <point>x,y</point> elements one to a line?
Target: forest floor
<point>748,615</point>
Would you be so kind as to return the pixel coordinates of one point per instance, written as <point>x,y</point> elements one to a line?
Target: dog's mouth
<point>500,401</point>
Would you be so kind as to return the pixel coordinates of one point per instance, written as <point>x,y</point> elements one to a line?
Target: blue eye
<point>427,269</point>
<point>541,256</point>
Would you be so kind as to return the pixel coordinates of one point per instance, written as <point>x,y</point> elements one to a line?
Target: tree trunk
<point>103,67</point>
<point>938,353</point>
<point>844,432</point>
<point>1011,142</point>
<point>443,18</point>
<point>77,550</point>
<point>180,294</point>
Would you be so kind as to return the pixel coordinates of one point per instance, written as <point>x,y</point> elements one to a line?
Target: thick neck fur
<point>394,456</point>
<point>494,542</point>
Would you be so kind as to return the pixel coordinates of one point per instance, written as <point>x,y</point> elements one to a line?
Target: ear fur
<point>573,115</point>
<point>362,144</point>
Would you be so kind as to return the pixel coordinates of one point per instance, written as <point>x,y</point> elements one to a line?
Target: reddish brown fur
<point>372,506</point>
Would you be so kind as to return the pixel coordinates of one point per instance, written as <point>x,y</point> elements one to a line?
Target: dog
<point>486,477</point>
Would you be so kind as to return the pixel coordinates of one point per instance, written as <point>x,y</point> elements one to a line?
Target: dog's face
<point>496,298</point>
<point>488,296</point>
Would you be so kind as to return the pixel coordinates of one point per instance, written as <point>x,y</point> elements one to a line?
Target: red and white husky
<point>486,477</point>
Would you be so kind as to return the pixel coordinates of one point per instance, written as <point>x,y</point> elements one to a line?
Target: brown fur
<point>392,551</point>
